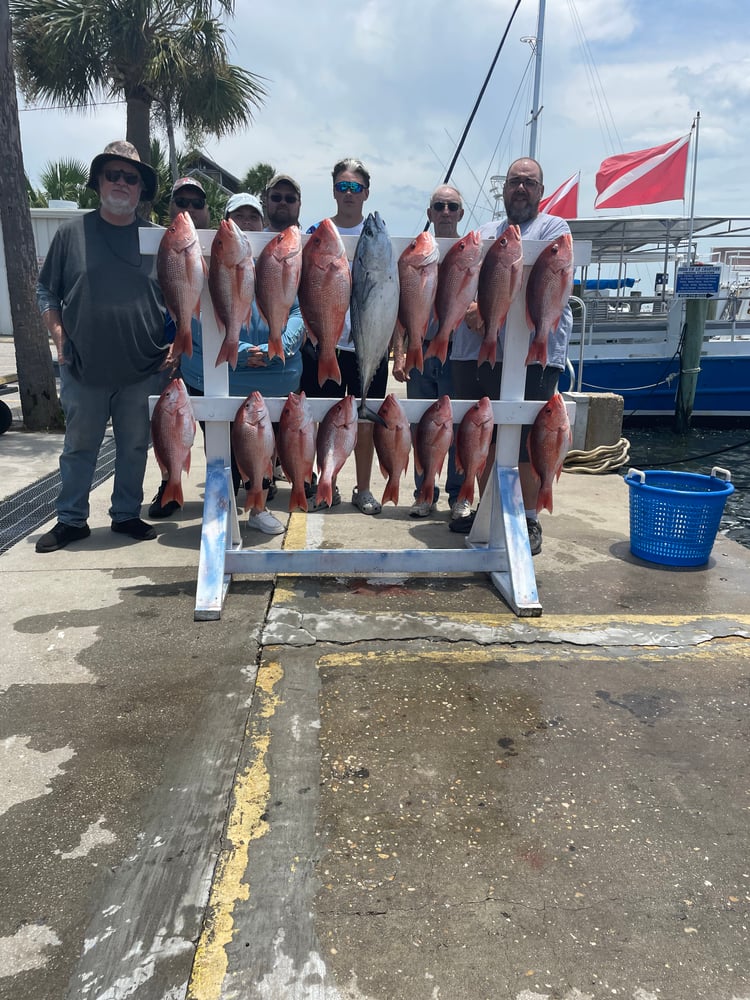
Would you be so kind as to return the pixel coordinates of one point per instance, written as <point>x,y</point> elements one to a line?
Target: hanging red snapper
<point>231,281</point>
<point>392,445</point>
<point>500,278</point>
<point>547,292</point>
<point>418,275</point>
<point>337,435</point>
<point>295,444</point>
<point>277,275</point>
<point>548,442</point>
<point>432,439</point>
<point>254,446</point>
<point>324,293</point>
<point>173,432</point>
<point>473,439</point>
<point>458,276</point>
<point>181,272</point>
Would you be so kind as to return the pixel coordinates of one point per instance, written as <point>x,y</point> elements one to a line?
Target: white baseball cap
<point>238,200</point>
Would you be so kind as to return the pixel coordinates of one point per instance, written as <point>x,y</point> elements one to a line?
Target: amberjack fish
<point>374,306</point>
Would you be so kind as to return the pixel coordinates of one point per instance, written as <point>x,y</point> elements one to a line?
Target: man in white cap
<point>101,303</point>
<point>246,211</point>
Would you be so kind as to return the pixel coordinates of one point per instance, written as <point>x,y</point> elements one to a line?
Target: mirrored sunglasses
<point>440,206</point>
<point>354,186</point>
<point>290,199</point>
<point>113,176</point>
<point>190,202</point>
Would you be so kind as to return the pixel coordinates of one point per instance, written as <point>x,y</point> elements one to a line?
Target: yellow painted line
<point>245,824</point>
<point>548,622</point>
<point>740,649</point>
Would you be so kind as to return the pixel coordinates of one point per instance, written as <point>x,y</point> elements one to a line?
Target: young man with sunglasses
<point>445,211</point>
<point>522,192</point>
<point>101,302</point>
<point>351,189</point>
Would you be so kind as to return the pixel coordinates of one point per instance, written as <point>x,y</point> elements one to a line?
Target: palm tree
<point>163,56</point>
<point>257,178</point>
<point>66,180</point>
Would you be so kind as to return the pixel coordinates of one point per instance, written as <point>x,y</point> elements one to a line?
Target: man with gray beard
<point>101,303</point>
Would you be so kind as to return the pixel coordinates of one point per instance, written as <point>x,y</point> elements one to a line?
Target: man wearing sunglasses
<point>282,200</point>
<point>189,195</point>
<point>101,302</point>
<point>522,191</point>
<point>445,211</point>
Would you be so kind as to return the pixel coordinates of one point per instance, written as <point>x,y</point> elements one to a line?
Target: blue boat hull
<point>649,385</point>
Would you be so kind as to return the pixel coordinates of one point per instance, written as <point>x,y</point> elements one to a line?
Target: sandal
<point>366,502</point>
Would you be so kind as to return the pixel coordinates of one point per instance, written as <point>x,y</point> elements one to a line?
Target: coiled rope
<point>605,458</point>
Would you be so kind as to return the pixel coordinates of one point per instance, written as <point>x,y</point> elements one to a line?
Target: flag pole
<point>696,126</point>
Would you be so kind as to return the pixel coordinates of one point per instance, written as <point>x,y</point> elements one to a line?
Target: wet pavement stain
<point>647,707</point>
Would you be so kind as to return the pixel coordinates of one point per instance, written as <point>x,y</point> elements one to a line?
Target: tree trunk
<point>36,377</point>
<point>138,129</point>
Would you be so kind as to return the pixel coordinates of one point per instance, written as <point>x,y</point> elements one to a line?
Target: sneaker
<point>265,521</point>
<point>463,525</point>
<point>461,508</point>
<point>364,500</point>
<point>421,508</point>
<point>62,535</point>
<point>135,528</point>
<point>156,510</point>
<point>335,499</point>
<point>535,536</point>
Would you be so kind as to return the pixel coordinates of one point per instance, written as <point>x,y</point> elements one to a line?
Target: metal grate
<point>29,508</point>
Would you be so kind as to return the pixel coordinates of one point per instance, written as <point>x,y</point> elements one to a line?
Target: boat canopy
<point>614,236</point>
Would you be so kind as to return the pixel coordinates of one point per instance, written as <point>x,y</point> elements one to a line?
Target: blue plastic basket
<point>674,516</point>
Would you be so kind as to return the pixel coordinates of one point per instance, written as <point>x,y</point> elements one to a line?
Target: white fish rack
<point>498,543</point>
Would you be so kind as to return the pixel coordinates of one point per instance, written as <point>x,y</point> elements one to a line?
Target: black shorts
<point>351,382</point>
<point>472,381</point>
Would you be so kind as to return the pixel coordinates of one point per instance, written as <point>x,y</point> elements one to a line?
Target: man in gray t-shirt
<point>102,305</point>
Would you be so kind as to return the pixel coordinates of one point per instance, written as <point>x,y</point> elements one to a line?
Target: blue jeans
<point>87,411</point>
<point>436,381</point>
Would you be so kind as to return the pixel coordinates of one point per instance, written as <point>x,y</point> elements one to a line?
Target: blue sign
<point>698,281</point>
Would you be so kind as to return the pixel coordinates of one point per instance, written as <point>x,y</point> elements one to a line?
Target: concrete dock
<point>371,789</point>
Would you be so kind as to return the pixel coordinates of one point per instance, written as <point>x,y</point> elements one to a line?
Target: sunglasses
<point>354,186</point>
<point>113,176</point>
<point>440,206</point>
<point>290,199</point>
<point>190,202</point>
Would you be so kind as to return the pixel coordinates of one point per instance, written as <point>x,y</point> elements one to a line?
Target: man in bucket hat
<point>101,302</point>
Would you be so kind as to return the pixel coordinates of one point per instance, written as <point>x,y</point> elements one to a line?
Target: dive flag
<point>564,201</point>
<point>644,177</point>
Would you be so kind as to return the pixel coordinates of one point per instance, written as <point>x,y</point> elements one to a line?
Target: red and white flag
<point>564,201</point>
<point>644,177</point>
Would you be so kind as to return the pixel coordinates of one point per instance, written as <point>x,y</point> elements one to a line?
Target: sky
<point>393,82</point>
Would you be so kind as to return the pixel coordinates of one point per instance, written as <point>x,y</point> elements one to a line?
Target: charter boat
<point>630,343</point>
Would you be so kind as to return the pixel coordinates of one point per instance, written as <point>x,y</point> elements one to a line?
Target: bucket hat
<point>120,149</point>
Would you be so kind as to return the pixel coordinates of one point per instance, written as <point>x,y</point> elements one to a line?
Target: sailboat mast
<point>536,110</point>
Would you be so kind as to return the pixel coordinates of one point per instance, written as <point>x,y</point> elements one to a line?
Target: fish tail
<point>297,499</point>
<point>328,368</point>
<point>255,499</point>
<point>544,500</point>
<point>324,492</point>
<point>437,348</point>
<point>276,348</point>
<point>467,490</point>
<point>228,352</point>
<point>426,490</point>
<point>537,352</point>
<point>391,491</point>
<point>488,352</point>
<point>173,491</point>
<point>415,359</point>
<point>365,413</point>
<point>183,342</point>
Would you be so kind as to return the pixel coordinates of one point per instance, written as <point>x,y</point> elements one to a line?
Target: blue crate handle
<point>716,473</point>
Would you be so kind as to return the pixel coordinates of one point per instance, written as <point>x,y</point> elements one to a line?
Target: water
<point>699,451</point>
